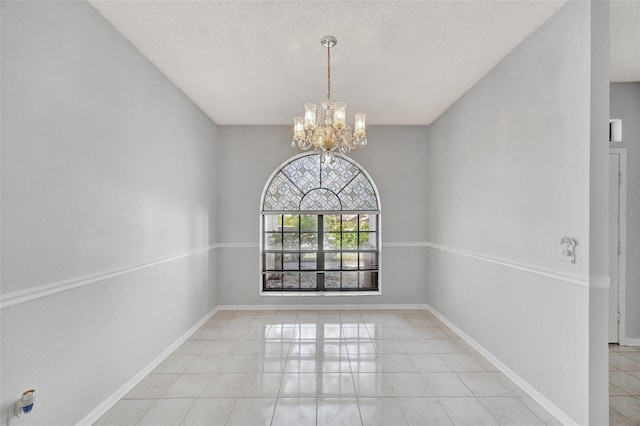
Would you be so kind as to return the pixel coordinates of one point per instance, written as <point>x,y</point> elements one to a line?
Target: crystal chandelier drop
<point>324,126</point>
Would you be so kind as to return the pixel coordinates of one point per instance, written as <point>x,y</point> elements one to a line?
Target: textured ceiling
<point>625,40</point>
<point>258,62</point>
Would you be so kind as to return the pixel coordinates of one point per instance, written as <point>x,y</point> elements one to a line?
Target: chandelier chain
<point>329,73</point>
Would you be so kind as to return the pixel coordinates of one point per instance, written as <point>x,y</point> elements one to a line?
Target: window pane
<point>349,260</point>
<point>290,222</point>
<point>273,261</point>
<point>308,280</point>
<point>291,242</point>
<point>272,222</point>
<point>309,261</point>
<point>349,241</point>
<point>350,222</point>
<point>309,223</point>
<point>273,241</point>
<point>332,261</point>
<point>291,280</point>
<point>368,222</point>
<point>332,241</point>
<point>331,223</point>
<point>332,280</point>
<point>368,261</point>
<point>291,261</point>
<point>349,280</point>
<point>273,281</point>
<point>308,241</point>
<point>368,240</point>
<point>368,280</point>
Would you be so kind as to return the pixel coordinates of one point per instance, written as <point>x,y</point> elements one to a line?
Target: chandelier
<point>324,126</point>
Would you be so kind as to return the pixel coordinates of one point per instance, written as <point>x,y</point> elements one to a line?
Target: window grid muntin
<point>358,270</point>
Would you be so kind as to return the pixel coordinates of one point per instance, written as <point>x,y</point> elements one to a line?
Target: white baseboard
<point>99,411</point>
<point>560,415</point>
<point>331,307</point>
<point>631,342</point>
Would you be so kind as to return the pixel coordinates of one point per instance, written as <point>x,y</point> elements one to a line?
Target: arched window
<point>320,228</point>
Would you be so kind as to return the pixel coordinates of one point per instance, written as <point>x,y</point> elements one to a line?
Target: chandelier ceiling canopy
<point>324,126</point>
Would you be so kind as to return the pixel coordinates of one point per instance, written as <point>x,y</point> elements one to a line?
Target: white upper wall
<point>105,166</point>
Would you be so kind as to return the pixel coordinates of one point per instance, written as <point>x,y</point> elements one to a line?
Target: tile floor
<point>624,385</point>
<point>368,367</point>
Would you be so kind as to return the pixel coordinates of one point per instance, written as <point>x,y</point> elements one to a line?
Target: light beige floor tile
<point>226,385</point>
<point>373,385</point>
<point>331,348</point>
<point>484,363</point>
<point>299,385</point>
<point>338,412</point>
<point>623,362</point>
<point>167,412</point>
<point>430,363</point>
<point>188,386</point>
<point>174,364</point>
<point>416,347</point>
<point>446,384</point>
<point>205,334</point>
<point>381,412</point>
<point>239,364</point>
<point>616,391</point>
<point>509,411</point>
<point>381,333</point>
<point>484,384</point>
<point>307,364</point>
<point>445,346</point>
<point>358,348</point>
<point>295,412</point>
<point>406,333</point>
<point>254,332</point>
<point>152,386</point>
<point>366,364</point>
<point>625,381</point>
<point>264,385</point>
<point>276,348</point>
<point>336,385</point>
<point>227,334</point>
<point>334,364</point>
<point>409,384</point>
<point>388,347</point>
<point>461,362</point>
<point>209,412</point>
<point>617,419</point>
<point>628,406</point>
<point>508,383</point>
<point>355,333</point>
<point>218,347</point>
<point>303,348</point>
<point>467,412</point>
<point>431,333</point>
<point>191,347</point>
<point>252,412</point>
<point>247,347</point>
<point>126,412</point>
<point>424,412</point>
<point>205,364</point>
<point>398,363</point>
<point>537,409</point>
<point>421,322</point>
<point>635,355</point>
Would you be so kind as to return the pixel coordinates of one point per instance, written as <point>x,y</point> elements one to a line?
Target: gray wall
<point>106,166</point>
<point>625,104</point>
<point>508,175</point>
<point>395,158</point>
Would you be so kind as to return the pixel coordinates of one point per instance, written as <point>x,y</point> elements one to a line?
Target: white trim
<point>101,409</point>
<point>406,244</point>
<point>22,296</point>
<point>328,307</point>
<point>556,274</point>
<point>319,293</point>
<point>631,342</point>
<point>523,384</point>
<point>622,238</point>
<point>237,245</point>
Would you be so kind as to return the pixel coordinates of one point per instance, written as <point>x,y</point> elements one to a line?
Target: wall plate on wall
<point>568,250</point>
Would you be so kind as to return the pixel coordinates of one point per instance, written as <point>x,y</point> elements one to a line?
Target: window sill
<point>320,293</point>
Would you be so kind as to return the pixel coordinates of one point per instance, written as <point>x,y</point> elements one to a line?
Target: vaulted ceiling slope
<point>258,62</point>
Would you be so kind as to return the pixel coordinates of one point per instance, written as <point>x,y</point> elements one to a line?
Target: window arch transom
<point>305,184</point>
